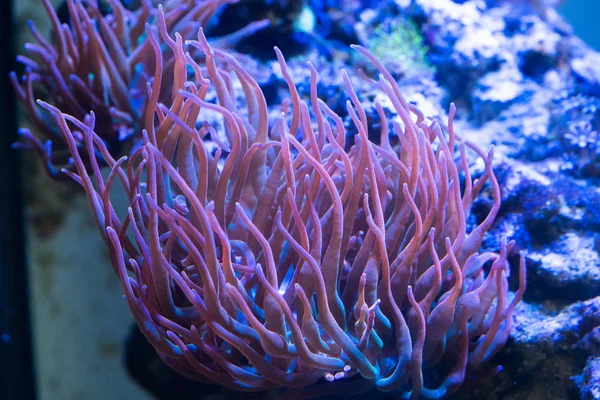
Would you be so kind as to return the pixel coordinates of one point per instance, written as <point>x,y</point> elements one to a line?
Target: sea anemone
<point>262,254</point>
<point>101,63</point>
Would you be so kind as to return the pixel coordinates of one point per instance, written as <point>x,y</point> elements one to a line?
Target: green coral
<point>400,46</point>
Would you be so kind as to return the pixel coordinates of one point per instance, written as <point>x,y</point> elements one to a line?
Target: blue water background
<point>584,15</point>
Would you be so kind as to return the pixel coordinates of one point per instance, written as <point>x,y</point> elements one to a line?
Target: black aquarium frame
<point>17,379</point>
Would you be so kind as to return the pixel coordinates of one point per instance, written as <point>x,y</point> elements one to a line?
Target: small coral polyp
<point>288,257</point>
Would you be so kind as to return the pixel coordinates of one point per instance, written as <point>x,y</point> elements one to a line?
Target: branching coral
<point>287,256</point>
<point>102,63</point>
